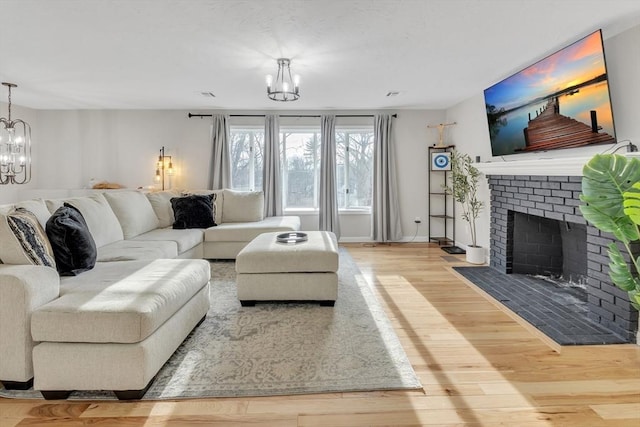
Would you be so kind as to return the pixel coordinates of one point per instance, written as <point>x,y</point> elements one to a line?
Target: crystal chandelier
<point>15,148</point>
<point>284,88</point>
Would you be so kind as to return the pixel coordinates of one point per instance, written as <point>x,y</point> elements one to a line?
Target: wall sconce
<point>163,167</point>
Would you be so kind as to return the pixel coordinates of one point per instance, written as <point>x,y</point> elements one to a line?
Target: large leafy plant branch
<point>464,189</point>
<point>611,193</point>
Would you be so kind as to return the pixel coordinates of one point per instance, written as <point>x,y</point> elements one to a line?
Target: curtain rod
<point>287,115</point>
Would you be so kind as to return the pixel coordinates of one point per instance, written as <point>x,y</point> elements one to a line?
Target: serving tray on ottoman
<point>269,270</point>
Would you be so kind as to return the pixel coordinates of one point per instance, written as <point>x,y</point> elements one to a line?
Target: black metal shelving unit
<point>441,205</point>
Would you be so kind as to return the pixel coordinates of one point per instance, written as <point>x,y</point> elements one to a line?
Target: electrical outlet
<point>417,220</point>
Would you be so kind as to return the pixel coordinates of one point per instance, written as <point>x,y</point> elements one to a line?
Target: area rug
<point>281,349</point>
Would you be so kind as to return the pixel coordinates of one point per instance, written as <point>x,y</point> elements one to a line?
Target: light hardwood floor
<point>478,367</point>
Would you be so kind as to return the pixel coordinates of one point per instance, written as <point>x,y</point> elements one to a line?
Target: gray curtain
<point>328,202</point>
<point>220,167</point>
<point>386,211</point>
<point>271,175</point>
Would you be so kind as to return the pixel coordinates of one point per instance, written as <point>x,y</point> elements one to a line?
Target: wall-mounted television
<point>561,101</point>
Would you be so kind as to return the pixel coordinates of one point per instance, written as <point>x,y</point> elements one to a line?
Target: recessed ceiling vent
<point>208,94</point>
<point>393,93</point>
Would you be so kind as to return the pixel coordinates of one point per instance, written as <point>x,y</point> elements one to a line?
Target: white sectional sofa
<point>114,326</point>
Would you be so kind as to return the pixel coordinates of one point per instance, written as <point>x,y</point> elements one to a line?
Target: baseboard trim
<point>405,239</point>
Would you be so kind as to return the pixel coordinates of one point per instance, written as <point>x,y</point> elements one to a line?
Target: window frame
<point>252,153</point>
<point>347,130</point>
<point>311,129</point>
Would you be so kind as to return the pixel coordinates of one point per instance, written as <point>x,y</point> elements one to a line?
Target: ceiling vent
<point>208,94</point>
<point>393,93</point>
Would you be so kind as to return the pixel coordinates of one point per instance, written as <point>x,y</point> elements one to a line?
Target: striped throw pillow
<point>27,241</point>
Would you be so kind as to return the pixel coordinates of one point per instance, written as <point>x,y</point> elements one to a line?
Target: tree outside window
<point>354,149</point>
<point>301,172</point>
<point>246,151</point>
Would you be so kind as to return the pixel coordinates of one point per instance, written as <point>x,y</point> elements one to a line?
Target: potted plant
<point>611,193</point>
<point>463,186</point>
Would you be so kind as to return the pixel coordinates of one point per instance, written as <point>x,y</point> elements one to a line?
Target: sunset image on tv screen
<point>561,101</point>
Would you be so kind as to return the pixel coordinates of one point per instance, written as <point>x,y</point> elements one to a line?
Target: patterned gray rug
<point>280,349</point>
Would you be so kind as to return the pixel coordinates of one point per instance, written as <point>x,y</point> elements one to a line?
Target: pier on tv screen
<point>561,101</point>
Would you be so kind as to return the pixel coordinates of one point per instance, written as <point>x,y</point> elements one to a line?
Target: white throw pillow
<point>102,222</point>
<point>243,206</point>
<point>134,211</point>
<point>161,204</point>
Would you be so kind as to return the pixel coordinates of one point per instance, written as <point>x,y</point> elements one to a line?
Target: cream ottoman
<point>272,271</point>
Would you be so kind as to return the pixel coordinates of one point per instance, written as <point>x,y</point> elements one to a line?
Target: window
<point>246,151</point>
<point>300,150</point>
<point>354,168</point>
<point>300,156</point>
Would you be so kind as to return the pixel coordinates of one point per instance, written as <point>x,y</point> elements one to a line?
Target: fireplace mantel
<point>571,166</point>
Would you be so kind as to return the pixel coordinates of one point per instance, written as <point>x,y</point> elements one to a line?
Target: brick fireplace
<point>544,204</point>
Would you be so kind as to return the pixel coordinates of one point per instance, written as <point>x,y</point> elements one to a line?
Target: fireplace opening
<point>550,249</point>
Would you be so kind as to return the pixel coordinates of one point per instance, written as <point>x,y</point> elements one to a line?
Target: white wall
<point>471,134</point>
<point>121,146</point>
<point>623,65</point>
<point>412,139</point>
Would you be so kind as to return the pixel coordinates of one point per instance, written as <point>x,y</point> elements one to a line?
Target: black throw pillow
<point>193,211</point>
<point>73,246</point>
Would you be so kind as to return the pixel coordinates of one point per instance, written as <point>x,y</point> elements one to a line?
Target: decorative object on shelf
<point>104,185</point>
<point>464,189</point>
<point>284,88</point>
<point>15,148</point>
<point>164,166</point>
<point>611,193</point>
<point>441,128</point>
<point>441,161</point>
<point>293,237</point>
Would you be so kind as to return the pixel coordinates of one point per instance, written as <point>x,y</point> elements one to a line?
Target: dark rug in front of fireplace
<point>559,312</point>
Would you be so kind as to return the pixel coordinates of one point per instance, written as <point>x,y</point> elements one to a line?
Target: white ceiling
<point>161,54</point>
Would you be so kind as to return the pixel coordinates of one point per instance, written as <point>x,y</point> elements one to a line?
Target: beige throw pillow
<point>161,204</point>
<point>243,206</point>
<point>134,212</point>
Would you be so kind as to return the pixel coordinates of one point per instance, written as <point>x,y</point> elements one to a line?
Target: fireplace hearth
<point>537,229</point>
<point>559,311</point>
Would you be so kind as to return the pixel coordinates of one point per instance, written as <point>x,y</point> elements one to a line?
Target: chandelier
<point>284,88</point>
<point>15,148</point>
